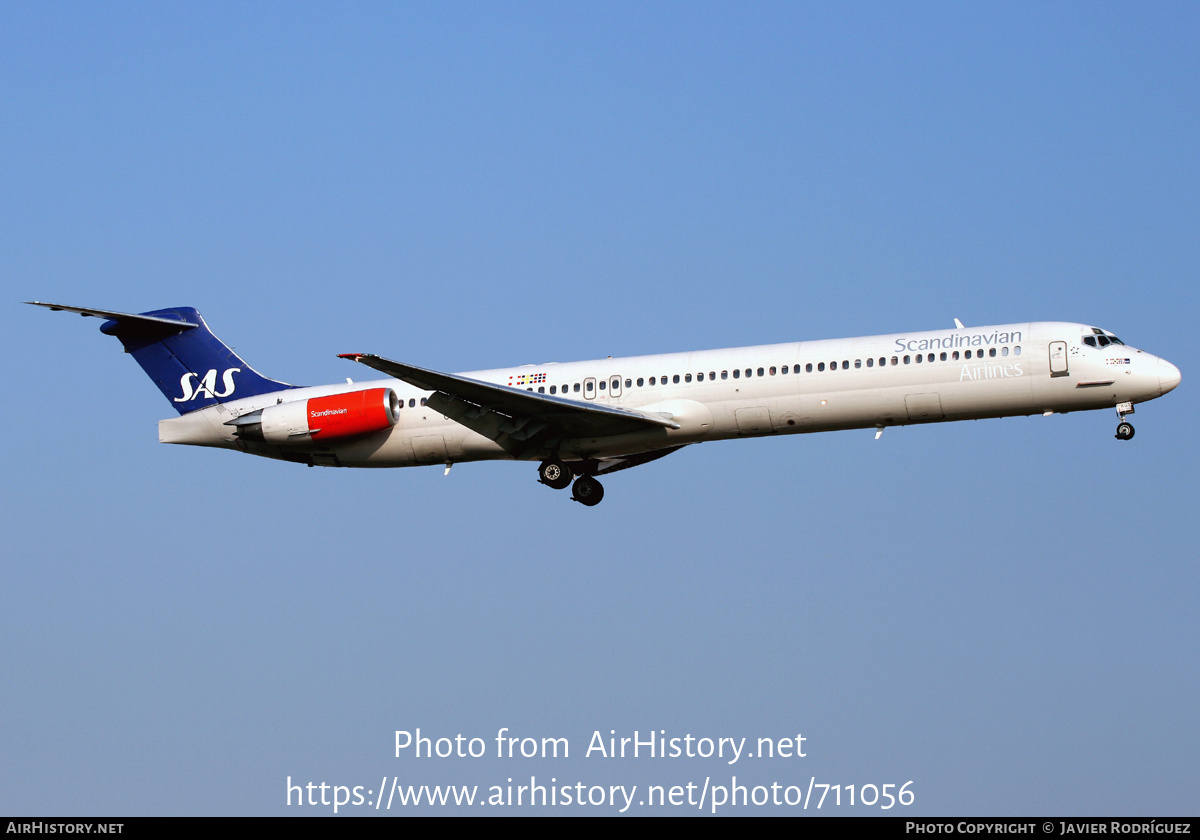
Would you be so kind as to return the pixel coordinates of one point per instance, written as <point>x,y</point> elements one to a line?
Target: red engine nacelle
<point>330,418</point>
<point>356,413</point>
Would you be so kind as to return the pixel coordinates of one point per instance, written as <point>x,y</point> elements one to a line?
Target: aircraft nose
<point>1168,375</point>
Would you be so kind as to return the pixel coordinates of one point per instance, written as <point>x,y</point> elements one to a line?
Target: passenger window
<point>883,361</point>
<point>576,387</point>
<point>967,354</point>
<point>628,383</point>
<point>992,352</point>
<point>895,360</point>
<point>423,400</point>
<point>712,374</point>
<point>412,403</point>
<point>1003,351</point>
<point>1017,350</point>
<point>761,372</point>
<point>651,380</point>
<point>724,374</point>
<point>808,367</point>
<point>954,355</point>
<point>749,372</point>
<point>602,383</point>
<point>943,356</point>
<point>553,389</point>
<point>845,364</point>
<point>870,363</point>
<point>857,364</point>
<point>641,382</point>
<point>589,387</point>
<point>687,377</point>
<point>737,374</point>
<point>700,376</point>
<point>919,359</point>
<point>541,389</point>
<point>675,379</point>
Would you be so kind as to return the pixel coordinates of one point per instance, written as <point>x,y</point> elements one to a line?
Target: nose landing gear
<point>1124,430</point>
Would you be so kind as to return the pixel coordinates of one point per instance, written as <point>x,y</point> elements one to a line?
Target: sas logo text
<point>206,385</point>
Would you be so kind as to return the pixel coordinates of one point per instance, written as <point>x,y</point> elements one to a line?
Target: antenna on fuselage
<point>958,324</point>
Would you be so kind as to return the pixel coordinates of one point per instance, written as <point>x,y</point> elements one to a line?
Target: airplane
<point>581,420</point>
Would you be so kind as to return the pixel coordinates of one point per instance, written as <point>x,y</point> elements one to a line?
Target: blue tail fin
<point>187,362</point>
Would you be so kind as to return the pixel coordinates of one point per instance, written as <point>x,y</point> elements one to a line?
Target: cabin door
<point>1058,358</point>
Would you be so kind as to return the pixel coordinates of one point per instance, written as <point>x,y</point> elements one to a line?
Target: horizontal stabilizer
<point>126,324</point>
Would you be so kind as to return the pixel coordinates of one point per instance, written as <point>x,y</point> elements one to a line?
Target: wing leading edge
<point>517,420</point>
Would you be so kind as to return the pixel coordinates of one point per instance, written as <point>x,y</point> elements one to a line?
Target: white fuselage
<point>808,386</point>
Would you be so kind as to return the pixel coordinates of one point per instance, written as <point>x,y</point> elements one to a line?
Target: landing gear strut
<point>554,474</point>
<point>587,491</point>
<point>1124,430</point>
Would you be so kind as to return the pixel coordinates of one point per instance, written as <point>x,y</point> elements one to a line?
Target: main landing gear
<point>587,491</point>
<point>554,474</point>
<point>557,476</point>
<point>1124,430</point>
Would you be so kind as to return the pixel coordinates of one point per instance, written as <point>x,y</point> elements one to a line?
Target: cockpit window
<point>1104,338</point>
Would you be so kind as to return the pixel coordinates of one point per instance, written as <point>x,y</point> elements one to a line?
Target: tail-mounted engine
<point>321,418</point>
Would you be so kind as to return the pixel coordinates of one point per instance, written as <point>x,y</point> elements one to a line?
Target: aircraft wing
<point>517,419</point>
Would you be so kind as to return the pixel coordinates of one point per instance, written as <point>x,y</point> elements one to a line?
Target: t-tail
<point>190,365</point>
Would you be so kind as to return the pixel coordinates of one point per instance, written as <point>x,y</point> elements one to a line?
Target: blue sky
<point>1001,611</point>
